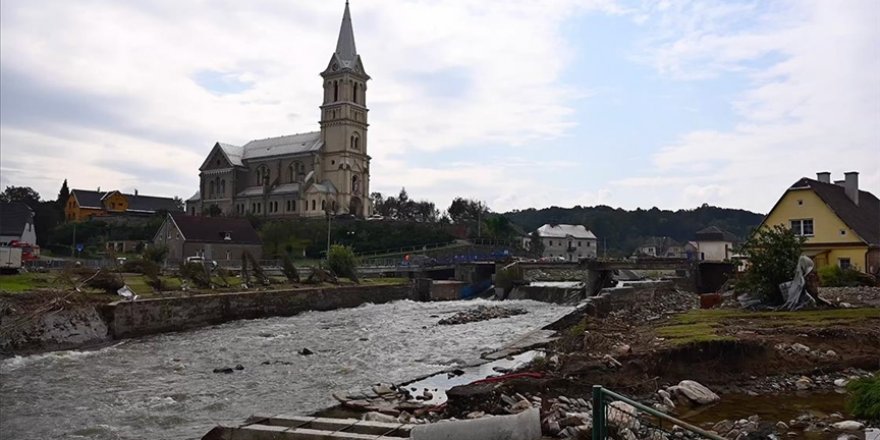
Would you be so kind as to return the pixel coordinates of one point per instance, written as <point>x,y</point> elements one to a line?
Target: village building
<point>567,242</point>
<point>840,222</point>
<point>16,223</point>
<point>712,244</point>
<point>83,204</point>
<point>660,247</point>
<point>306,174</point>
<point>213,238</point>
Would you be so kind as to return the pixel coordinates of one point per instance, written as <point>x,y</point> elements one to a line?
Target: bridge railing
<point>603,397</point>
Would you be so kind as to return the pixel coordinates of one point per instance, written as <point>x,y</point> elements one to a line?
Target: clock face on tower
<point>334,67</point>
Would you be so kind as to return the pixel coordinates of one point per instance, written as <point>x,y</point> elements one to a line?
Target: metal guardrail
<point>602,397</point>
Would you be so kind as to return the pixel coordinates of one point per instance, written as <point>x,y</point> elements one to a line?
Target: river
<point>163,387</point>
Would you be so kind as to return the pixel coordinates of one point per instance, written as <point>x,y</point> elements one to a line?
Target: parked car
<point>201,260</point>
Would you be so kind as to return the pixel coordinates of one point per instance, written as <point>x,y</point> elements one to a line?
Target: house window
<point>580,243</point>
<point>802,227</point>
<point>551,243</point>
<point>844,263</point>
<point>843,232</point>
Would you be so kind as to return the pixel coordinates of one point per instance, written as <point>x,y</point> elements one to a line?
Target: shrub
<point>197,274</point>
<point>864,401</point>
<point>289,269</point>
<point>258,270</point>
<point>342,262</point>
<point>835,276</point>
<point>155,254</point>
<point>773,255</point>
<point>107,281</point>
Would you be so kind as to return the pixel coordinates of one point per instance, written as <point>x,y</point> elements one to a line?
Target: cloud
<point>184,75</point>
<point>813,106</point>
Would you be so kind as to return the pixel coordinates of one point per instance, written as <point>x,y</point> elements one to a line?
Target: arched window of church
<point>335,91</point>
<point>223,187</point>
<point>355,185</point>
<point>355,97</point>
<point>211,188</point>
<point>313,204</point>
<point>355,142</point>
<point>323,205</point>
<point>263,175</point>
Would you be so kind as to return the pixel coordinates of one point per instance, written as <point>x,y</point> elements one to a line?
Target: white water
<point>163,387</point>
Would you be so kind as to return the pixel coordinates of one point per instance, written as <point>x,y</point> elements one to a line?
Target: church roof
<point>283,145</point>
<point>345,48</point>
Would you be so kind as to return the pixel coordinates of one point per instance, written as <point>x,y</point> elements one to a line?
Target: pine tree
<point>63,195</point>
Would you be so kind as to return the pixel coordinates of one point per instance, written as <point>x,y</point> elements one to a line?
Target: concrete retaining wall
<point>143,317</point>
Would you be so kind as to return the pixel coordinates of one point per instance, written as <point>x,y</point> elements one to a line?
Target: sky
<point>516,103</point>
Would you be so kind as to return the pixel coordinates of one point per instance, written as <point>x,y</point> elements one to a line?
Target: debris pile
<point>481,313</point>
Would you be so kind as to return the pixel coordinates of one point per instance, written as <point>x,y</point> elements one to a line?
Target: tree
<point>342,262</point>
<point>213,211</point>
<point>773,255</point>
<point>536,245</point>
<point>63,195</point>
<point>178,202</point>
<point>23,194</point>
<point>466,210</point>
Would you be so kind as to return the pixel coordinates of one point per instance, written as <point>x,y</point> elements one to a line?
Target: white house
<point>568,242</point>
<point>714,244</point>
<point>17,223</point>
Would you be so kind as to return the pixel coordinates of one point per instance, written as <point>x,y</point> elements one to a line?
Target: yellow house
<point>841,223</point>
<point>84,204</point>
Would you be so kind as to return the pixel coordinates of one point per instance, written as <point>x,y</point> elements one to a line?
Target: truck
<point>10,259</point>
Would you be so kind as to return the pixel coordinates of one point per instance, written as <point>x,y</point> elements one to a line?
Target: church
<point>306,174</point>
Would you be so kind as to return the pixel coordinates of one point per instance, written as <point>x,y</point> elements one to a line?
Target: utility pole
<point>328,234</point>
<point>73,244</point>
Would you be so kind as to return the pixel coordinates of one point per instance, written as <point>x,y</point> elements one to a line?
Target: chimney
<point>135,191</point>
<point>823,176</point>
<point>851,186</point>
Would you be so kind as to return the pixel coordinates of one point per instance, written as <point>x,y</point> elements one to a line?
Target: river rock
<point>374,416</point>
<point>840,383</point>
<point>306,352</point>
<point>239,367</point>
<point>694,392</point>
<point>803,383</point>
<point>848,425</point>
<point>622,415</point>
<point>223,370</point>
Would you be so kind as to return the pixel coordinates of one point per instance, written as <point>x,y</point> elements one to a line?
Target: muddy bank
<point>47,321</point>
<point>648,347</point>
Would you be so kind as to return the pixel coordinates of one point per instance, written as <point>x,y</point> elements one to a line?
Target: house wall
<point>832,239</point>
<point>570,248</point>
<point>116,202</point>
<point>169,236</point>
<point>221,251</point>
<point>714,250</point>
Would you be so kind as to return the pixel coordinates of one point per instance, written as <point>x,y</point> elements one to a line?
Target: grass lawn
<point>704,325</point>
<point>23,282</point>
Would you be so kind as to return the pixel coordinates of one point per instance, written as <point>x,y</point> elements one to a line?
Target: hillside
<point>622,231</point>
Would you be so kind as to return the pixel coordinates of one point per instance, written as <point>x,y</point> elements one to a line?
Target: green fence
<point>603,397</point>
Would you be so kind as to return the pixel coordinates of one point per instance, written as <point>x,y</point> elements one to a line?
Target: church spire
<point>345,48</point>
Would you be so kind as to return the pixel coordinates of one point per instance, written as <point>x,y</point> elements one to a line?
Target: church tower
<point>345,162</point>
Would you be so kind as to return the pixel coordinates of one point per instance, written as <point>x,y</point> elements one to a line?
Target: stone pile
<point>801,350</point>
<point>481,313</point>
<point>851,296</point>
<point>386,402</point>
<point>754,427</point>
<point>687,394</point>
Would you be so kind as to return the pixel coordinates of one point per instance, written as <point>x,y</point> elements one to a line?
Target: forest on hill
<point>621,231</point>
